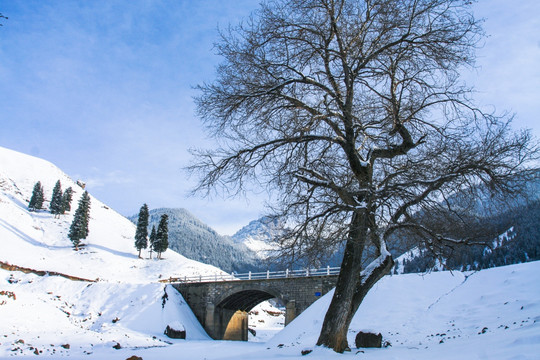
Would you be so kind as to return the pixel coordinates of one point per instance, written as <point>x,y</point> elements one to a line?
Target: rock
<point>65,346</point>
<point>367,340</point>
<point>115,320</point>
<point>175,334</point>
<point>252,331</point>
<point>117,346</point>
<point>305,352</point>
<point>134,357</point>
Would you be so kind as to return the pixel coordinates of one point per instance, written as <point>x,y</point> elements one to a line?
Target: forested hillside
<point>518,242</point>
<point>192,238</point>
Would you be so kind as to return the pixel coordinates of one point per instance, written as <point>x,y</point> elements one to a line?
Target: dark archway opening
<point>244,324</point>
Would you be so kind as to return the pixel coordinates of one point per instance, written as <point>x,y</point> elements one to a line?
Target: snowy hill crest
<point>38,240</point>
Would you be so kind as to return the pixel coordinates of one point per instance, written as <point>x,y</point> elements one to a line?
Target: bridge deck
<point>327,271</point>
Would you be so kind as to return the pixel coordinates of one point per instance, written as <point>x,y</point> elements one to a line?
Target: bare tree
<point>353,112</point>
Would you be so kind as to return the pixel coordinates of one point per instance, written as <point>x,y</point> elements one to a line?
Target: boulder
<point>368,340</point>
<point>175,334</point>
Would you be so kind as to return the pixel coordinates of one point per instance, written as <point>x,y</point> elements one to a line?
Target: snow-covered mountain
<point>259,234</point>
<point>196,240</point>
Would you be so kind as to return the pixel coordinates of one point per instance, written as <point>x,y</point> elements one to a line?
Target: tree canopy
<point>161,243</point>
<point>141,234</point>
<point>37,198</point>
<point>353,113</point>
<point>79,226</point>
<point>56,204</point>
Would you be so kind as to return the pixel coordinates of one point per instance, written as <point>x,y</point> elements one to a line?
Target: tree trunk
<point>335,325</point>
<point>352,286</point>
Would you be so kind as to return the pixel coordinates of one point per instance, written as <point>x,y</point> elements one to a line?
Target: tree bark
<point>335,326</point>
<point>352,286</point>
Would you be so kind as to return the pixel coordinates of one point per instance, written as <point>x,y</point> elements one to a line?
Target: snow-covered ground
<point>37,240</point>
<point>491,314</point>
<point>266,320</point>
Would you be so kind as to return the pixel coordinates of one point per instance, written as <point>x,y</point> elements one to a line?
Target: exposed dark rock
<point>117,346</point>
<point>134,357</point>
<point>175,334</point>
<point>368,340</point>
<point>307,351</point>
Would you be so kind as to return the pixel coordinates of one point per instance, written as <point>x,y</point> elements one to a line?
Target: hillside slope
<point>37,240</point>
<point>490,314</point>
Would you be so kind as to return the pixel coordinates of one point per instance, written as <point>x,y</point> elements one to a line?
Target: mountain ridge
<point>196,240</point>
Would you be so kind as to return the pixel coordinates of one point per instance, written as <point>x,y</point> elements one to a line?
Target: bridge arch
<point>221,306</point>
<point>247,299</point>
<point>232,310</point>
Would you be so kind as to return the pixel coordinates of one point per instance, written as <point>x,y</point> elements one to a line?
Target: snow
<point>490,314</point>
<point>266,319</point>
<point>259,234</point>
<point>442,315</point>
<point>37,240</point>
<point>50,311</point>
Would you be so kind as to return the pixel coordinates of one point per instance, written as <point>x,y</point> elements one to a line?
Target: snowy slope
<point>37,240</point>
<point>490,314</point>
<point>48,312</point>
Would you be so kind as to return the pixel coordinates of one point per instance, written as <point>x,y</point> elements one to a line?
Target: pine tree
<point>79,226</point>
<point>56,201</point>
<point>162,236</point>
<point>36,201</point>
<point>141,234</point>
<point>66,200</point>
<point>152,239</point>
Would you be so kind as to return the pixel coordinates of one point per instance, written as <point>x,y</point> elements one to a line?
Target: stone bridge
<point>222,306</point>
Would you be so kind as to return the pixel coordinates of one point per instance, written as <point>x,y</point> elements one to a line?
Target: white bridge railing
<point>327,271</point>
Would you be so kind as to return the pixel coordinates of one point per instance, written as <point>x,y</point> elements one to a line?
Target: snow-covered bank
<point>47,312</point>
<point>491,314</point>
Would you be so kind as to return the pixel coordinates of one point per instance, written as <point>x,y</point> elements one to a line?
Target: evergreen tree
<point>162,236</point>
<point>141,234</point>
<point>36,201</point>
<point>152,239</point>
<point>66,200</point>
<point>79,226</point>
<point>56,201</point>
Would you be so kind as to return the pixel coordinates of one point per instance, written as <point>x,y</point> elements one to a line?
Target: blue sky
<point>103,89</point>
